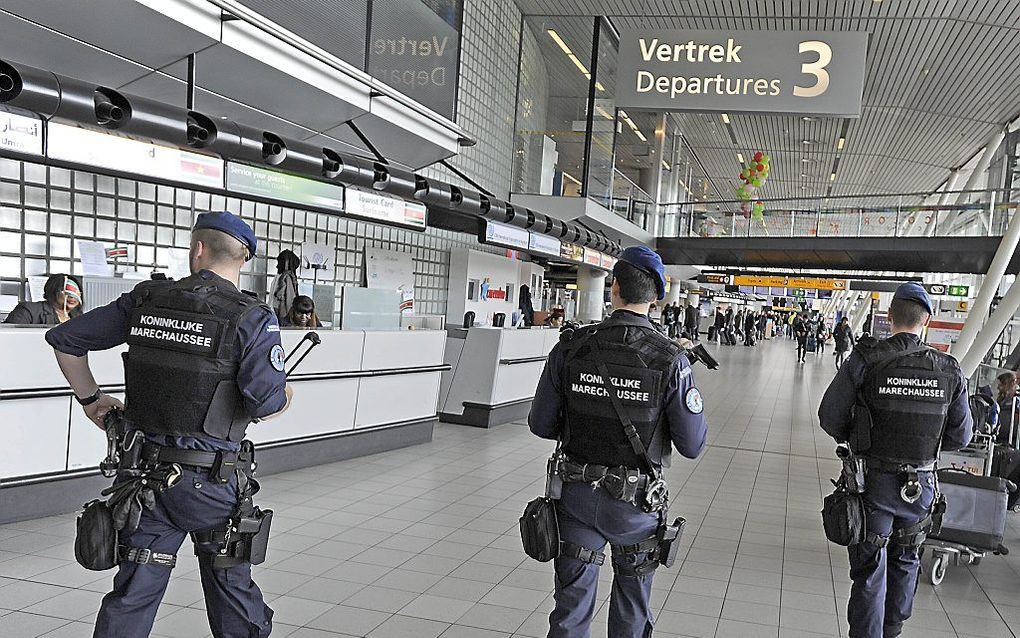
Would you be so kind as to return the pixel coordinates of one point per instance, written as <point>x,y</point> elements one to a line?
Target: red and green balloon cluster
<point>753,177</point>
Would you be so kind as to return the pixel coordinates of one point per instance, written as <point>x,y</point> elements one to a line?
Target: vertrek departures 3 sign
<point>815,72</point>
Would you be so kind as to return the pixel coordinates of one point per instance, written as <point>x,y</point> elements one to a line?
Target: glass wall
<point>411,45</point>
<point>552,105</point>
<point>605,121</point>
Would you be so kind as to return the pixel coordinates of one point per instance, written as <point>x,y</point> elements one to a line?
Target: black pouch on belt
<point>95,541</point>
<point>622,484</point>
<point>669,541</point>
<point>257,525</point>
<point>540,531</point>
<point>843,518</point>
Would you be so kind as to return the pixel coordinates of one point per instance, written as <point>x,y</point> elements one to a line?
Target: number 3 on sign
<point>816,68</point>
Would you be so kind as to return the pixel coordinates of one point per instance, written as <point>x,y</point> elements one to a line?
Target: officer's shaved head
<point>636,286</point>
<point>907,314</point>
<point>219,247</point>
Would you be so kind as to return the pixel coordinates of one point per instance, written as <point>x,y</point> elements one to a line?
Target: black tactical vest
<point>908,397</point>
<point>639,360</point>
<point>183,354</point>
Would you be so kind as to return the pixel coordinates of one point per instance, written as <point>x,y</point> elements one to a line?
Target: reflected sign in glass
<point>21,134</point>
<point>414,47</point>
<point>505,235</point>
<point>95,149</point>
<point>592,257</point>
<point>385,209</point>
<point>817,72</point>
<point>260,182</point>
<point>545,244</point>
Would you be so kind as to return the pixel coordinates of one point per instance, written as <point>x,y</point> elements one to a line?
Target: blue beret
<point>231,224</point>
<point>647,260</point>
<point>913,291</point>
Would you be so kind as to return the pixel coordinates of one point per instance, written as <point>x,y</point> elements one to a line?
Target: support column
<point>857,321</point>
<point>989,285</point>
<point>674,292</point>
<point>985,339</point>
<point>591,288</point>
<point>979,170</point>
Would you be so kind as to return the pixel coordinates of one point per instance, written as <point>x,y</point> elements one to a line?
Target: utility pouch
<point>669,541</point>
<point>843,517</point>
<point>622,484</point>
<point>540,531</point>
<point>860,431</point>
<point>95,542</point>
<point>553,479</point>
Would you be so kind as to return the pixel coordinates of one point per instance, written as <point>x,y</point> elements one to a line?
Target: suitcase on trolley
<point>975,509</point>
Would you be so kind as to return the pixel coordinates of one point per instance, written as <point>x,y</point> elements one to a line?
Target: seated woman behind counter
<point>301,315</point>
<point>62,300</point>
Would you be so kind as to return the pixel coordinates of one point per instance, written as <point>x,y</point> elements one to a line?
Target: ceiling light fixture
<point>571,178</point>
<point>725,118</point>
<point>665,165</point>
<point>633,126</point>
<point>740,158</point>
<point>806,160</point>
<point>807,118</point>
<point>832,177</point>
<point>840,143</point>
<point>807,142</point>
<point>573,58</point>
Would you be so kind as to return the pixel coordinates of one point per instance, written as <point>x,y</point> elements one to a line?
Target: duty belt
<point>894,467</point>
<point>221,464</point>
<point>574,472</point>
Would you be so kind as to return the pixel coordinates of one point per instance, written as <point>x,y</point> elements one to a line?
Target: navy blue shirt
<point>261,385</point>
<point>836,408</point>
<point>686,429</point>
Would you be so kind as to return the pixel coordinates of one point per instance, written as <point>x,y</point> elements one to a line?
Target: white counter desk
<point>493,374</point>
<point>358,393</point>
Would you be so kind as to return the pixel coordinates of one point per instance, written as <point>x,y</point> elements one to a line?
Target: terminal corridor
<point>423,542</point>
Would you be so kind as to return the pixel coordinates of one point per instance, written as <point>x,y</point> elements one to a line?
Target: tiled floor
<point>423,542</point>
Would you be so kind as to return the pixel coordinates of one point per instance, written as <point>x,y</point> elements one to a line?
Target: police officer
<point>656,394</point>
<point>915,400</point>
<point>203,360</point>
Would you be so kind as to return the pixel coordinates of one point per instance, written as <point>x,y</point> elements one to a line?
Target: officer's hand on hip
<point>96,411</point>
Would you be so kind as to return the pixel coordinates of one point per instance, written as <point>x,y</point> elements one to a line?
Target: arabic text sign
<point>21,134</point>
<point>819,72</point>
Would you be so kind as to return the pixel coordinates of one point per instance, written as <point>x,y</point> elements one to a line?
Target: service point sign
<point>813,72</point>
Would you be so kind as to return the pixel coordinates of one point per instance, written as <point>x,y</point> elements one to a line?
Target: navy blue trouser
<point>885,579</point>
<point>234,603</point>
<point>591,518</point>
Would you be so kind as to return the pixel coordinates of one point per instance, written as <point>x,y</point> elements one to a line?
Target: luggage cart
<point>974,527</point>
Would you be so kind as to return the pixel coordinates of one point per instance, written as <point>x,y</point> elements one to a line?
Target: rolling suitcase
<point>975,509</point>
<point>812,344</point>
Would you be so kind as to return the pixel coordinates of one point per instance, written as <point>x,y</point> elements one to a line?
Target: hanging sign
<point>713,279</point>
<point>506,235</point>
<point>100,150</point>
<point>592,257</point>
<point>790,282</point>
<point>259,182</point>
<point>21,134</point>
<point>385,209</point>
<point>571,252</point>
<point>539,243</point>
<point>817,72</point>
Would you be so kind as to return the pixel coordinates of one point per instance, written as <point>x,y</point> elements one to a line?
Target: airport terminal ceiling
<point>941,78</point>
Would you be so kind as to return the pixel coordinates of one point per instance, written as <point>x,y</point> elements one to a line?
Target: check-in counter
<point>358,393</point>
<point>493,374</point>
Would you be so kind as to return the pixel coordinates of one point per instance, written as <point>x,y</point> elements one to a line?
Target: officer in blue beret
<point>897,402</point>
<point>617,396</point>
<point>203,361</point>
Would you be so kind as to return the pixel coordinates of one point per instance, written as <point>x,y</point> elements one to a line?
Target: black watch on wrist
<point>90,399</point>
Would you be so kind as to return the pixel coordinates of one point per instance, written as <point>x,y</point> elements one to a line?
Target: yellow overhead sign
<point>961,306</point>
<point>816,283</point>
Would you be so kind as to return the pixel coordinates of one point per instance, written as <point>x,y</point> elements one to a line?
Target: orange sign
<point>774,281</point>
